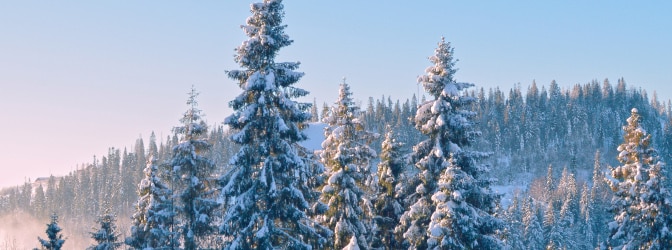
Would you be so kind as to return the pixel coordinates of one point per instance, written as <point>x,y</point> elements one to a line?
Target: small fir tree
<point>387,204</point>
<point>51,194</point>
<point>549,187</point>
<point>106,236</point>
<point>567,190</point>
<point>585,220</point>
<point>54,239</point>
<point>194,173</point>
<point>325,110</point>
<point>314,116</point>
<point>448,210</point>
<point>513,216</point>
<point>446,120</point>
<point>566,225</point>
<point>553,232</point>
<point>39,203</point>
<point>155,215</point>
<point>641,203</point>
<point>346,155</point>
<point>533,233</point>
<point>600,198</point>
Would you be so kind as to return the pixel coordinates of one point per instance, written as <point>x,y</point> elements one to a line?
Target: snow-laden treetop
<point>266,35</point>
<point>439,80</point>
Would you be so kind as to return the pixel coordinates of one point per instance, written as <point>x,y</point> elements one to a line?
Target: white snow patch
<point>352,245</point>
<point>507,193</point>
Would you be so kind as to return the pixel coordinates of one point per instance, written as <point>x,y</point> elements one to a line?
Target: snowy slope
<point>507,192</point>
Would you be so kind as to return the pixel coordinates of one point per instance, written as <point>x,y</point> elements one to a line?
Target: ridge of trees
<point>70,196</point>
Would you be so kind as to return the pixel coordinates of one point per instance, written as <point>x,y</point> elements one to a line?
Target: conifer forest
<point>458,167</point>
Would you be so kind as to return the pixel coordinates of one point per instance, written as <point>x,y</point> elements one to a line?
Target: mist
<point>19,231</point>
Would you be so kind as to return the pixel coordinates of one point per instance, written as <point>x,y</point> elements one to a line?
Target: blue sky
<point>77,77</point>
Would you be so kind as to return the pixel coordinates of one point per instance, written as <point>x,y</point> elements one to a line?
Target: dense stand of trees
<point>528,130</point>
<point>78,197</point>
<point>566,202</point>
<point>589,181</point>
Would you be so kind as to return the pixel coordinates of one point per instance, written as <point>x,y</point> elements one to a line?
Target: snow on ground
<point>508,192</point>
<point>315,133</point>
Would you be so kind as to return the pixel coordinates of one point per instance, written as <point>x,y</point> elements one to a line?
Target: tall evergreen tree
<point>153,148</point>
<point>54,239</point>
<point>39,204</point>
<point>325,110</point>
<point>600,198</point>
<point>666,144</point>
<point>551,231</point>
<point>566,225</point>
<point>84,192</point>
<point>533,233</point>
<point>128,178</point>
<point>314,116</point>
<point>454,223</point>
<point>549,187</point>
<point>155,214</point>
<point>513,216</point>
<point>267,187</point>
<point>567,191</point>
<point>140,159</point>
<point>51,195</point>
<point>585,223</point>
<point>387,206</point>
<point>195,178</point>
<point>446,120</point>
<point>106,236</point>
<point>347,156</point>
<point>26,196</point>
<point>641,203</point>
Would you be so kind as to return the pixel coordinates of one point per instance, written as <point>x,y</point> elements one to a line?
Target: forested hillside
<point>108,181</point>
<point>530,133</point>
<point>423,173</point>
<point>528,128</point>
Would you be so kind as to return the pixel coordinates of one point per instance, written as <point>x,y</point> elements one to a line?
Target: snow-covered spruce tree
<point>346,156</point>
<point>194,177</point>
<point>54,239</point>
<point>446,120</point>
<point>266,191</point>
<point>585,222</point>
<point>533,233</point>
<point>566,225</point>
<point>567,190</point>
<point>552,233</point>
<point>387,207</point>
<point>314,116</point>
<point>106,236</point>
<point>549,187</point>
<point>453,223</point>
<point>155,214</point>
<point>513,217</point>
<point>641,203</point>
<point>600,198</point>
<point>39,203</point>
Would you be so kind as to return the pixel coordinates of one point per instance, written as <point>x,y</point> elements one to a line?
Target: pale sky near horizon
<point>78,77</point>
